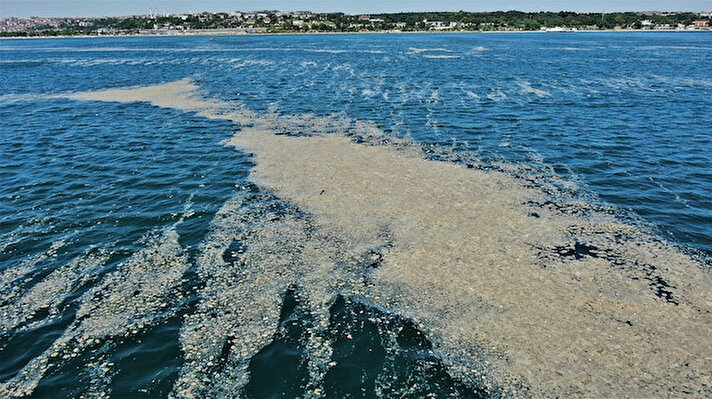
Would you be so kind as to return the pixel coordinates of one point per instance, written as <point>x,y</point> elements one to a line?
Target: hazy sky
<point>25,8</point>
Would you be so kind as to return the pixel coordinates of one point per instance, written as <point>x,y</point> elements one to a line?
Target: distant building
<point>438,25</point>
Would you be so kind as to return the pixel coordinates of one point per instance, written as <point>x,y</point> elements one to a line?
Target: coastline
<point>224,34</point>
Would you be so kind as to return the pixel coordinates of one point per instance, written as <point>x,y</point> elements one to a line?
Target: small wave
<point>569,48</point>
<point>471,94</point>
<point>107,61</point>
<point>441,56</point>
<point>21,63</point>
<point>645,48</point>
<point>328,51</point>
<point>249,63</point>
<point>106,49</point>
<point>496,95</point>
<point>476,49</point>
<point>695,82</point>
<point>415,50</point>
<point>345,67</point>
<point>677,197</point>
<point>527,88</point>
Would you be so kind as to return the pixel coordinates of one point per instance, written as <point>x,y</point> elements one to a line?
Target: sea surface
<point>118,218</point>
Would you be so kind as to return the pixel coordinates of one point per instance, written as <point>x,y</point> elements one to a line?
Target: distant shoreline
<point>223,34</point>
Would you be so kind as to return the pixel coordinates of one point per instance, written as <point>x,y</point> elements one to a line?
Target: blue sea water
<point>621,118</point>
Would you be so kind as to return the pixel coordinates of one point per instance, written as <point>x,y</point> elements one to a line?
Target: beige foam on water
<point>12,279</point>
<point>240,303</point>
<point>179,95</point>
<point>479,274</point>
<point>51,291</point>
<point>135,296</point>
<point>466,237</point>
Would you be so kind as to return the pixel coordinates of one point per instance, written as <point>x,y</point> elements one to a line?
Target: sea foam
<point>520,294</point>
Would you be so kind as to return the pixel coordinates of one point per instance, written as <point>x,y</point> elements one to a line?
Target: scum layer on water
<point>522,286</point>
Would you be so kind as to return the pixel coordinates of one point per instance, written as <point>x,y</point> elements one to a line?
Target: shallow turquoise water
<point>624,116</point>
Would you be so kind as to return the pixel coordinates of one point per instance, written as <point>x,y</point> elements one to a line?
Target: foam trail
<point>135,296</point>
<point>258,248</point>
<point>11,279</point>
<point>180,94</point>
<point>517,294</point>
<point>10,98</point>
<point>239,305</point>
<point>52,291</point>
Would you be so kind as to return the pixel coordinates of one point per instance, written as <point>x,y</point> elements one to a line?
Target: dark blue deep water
<point>625,118</point>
